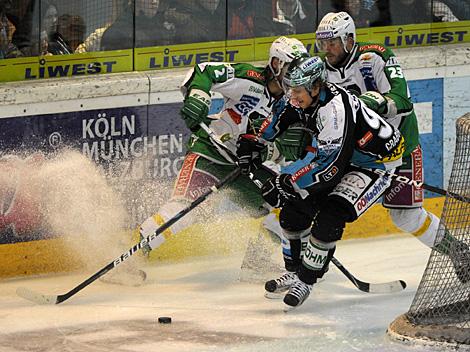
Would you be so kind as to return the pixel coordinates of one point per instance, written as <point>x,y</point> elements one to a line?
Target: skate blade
<point>273,295</point>
<point>287,308</point>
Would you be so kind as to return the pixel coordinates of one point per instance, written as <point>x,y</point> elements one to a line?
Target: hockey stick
<point>386,287</point>
<point>434,189</point>
<point>56,299</point>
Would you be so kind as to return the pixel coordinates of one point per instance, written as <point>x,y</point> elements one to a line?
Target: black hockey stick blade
<point>51,299</point>
<point>385,287</point>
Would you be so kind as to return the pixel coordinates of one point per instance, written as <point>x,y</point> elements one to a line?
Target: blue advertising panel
<point>431,91</point>
<point>136,147</point>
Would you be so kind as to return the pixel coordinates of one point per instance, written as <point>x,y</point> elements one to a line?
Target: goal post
<point>440,311</point>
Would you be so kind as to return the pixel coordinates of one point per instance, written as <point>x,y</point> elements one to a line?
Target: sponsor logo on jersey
<point>254,74</point>
<point>417,158</point>
<point>395,153</point>
<point>184,177</point>
<point>345,192</point>
<point>365,139</point>
<point>355,179</point>
<point>325,35</point>
<point>392,61</point>
<point>331,173</point>
<point>372,195</point>
<point>234,116</point>
<point>377,47</point>
<point>366,57</point>
<point>264,125</point>
<point>256,90</point>
<point>301,172</point>
<point>392,143</point>
<point>246,105</point>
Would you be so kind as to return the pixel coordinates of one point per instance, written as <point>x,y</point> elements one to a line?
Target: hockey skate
<point>277,286</point>
<point>460,258</point>
<point>298,293</point>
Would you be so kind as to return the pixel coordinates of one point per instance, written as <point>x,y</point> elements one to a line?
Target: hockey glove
<point>375,101</point>
<point>195,109</point>
<point>279,190</point>
<point>249,151</point>
<point>292,143</point>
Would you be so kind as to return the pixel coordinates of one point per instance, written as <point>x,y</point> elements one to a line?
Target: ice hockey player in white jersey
<point>373,72</point>
<point>333,182</point>
<point>250,94</point>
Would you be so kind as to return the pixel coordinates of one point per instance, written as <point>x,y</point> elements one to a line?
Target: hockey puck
<point>164,320</point>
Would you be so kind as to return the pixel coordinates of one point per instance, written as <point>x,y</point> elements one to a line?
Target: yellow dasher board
<point>245,50</point>
<point>56,66</point>
<point>188,55</point>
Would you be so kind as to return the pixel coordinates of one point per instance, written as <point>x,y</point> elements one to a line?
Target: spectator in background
<point>360,10</point>
<point>149,28</point>
<point>441,12</point>
<point>461,8</point>
<point>241,19</point>
<point>73,29</point>
<point>7,48</point>
<point>92,42</point>
<point>197,20</point>
<point>409,12</point>
<point>56,43</point>
<point>286,17</point>
<point>290,17</point>
<point>22,17</point>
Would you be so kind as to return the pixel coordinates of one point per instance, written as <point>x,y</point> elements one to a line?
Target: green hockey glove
<point>195,109</point>
<point>375,101</point>
<point>292,143</point>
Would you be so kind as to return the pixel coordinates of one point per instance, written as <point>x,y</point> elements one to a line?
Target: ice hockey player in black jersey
<point>332,183</point>
<point>373,72</point>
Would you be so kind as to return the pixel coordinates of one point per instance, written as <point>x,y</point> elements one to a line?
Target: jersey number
<point>376,122</point>
<point>395,72</point>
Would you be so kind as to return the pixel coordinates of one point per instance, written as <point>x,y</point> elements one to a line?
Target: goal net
<point>440,311</point>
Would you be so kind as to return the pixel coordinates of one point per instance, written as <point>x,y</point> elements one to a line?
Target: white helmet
<point>335,25</point>
<point>286,50</point>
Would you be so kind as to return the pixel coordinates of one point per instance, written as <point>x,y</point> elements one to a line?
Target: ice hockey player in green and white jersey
<point>250,94</point>
<point>373,72</point>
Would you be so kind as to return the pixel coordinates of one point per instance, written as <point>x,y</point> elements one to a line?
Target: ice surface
<point>212,311</point>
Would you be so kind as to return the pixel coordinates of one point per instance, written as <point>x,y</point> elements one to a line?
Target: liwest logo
<point>178,60</point>
<point>423,39</point>
<point>63,70</point>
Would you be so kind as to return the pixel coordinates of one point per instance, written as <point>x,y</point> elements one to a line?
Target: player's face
<point>334,50</point>
<point>302,98</point>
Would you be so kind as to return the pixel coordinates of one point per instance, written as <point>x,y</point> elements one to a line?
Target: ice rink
<point>213,311</point>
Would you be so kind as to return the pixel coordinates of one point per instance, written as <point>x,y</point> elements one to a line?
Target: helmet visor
<point>323,44</point>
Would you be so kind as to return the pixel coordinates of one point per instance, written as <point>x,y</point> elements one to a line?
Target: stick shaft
<point>126,255</point>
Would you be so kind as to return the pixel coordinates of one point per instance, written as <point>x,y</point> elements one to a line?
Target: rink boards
<point>129,124</point>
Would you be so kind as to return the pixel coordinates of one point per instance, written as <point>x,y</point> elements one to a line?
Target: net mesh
<point>440,310</point>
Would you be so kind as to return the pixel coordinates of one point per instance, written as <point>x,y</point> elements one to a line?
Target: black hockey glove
<point>249,151</point>
<point>279,190</point>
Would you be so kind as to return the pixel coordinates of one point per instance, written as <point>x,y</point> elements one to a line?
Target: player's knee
<point>296,235</point>
<point>408,220</point>
<point>293,220</point>
<point>329,223</point>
